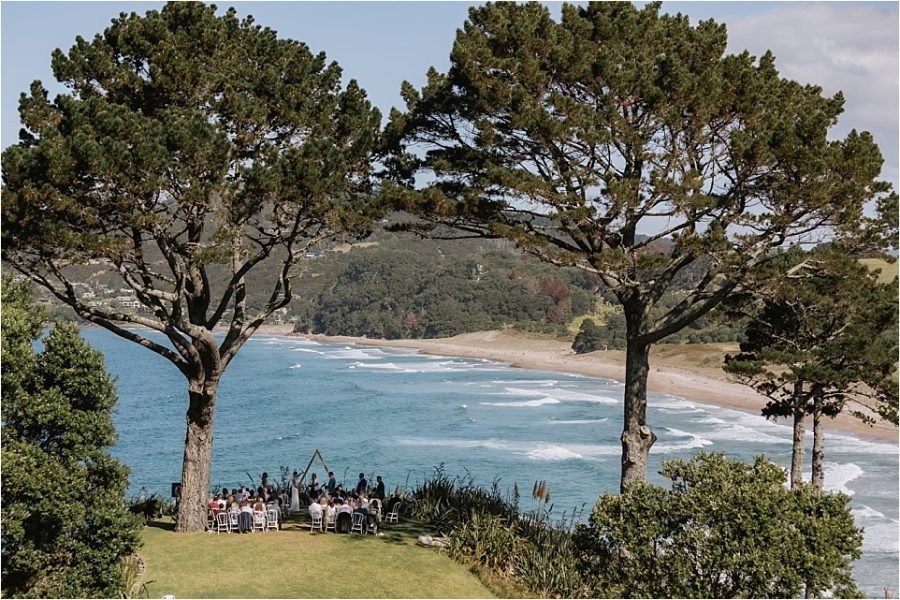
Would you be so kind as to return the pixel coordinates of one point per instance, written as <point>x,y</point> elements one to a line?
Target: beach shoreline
<point>556,356</point>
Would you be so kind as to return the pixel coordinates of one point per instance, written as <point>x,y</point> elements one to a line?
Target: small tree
<point>191,149</point>
<point>573,138</point>
<point>66,525</point>
<point>821,340</point>
<point>725,529</point>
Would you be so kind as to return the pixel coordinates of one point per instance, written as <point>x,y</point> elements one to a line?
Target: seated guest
<point>245,521</point>
<point>214,505</point>
<point>259,505</point>
<point>330,511</point>
<point>345,507</point>
<point>375,506</point>
<point>363,502</point>
<point>232,504</point>
<point>315,508</point>
<point>339,492</point>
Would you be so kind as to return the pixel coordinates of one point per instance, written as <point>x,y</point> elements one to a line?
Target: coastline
<point>694,384</point>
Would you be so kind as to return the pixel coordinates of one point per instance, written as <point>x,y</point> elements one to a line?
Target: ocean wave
<point>881,537</point>
<point>524,403</point>
<point>355,354</point>
<point>671,403</point>
<point>295,366</point>
<point>845,444</point>
<point>837,476</point>
<point>310,350</point>
<point>575,421</point>
<point>573,396</point>
<point>539,450</point>
<point>864,512</point>
<point>553,453</point>
<point>739,433</point>
<point>695,441</point>
<point>558,394</point>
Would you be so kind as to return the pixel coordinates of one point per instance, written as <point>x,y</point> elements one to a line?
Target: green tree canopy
<point>725,529</point>
<point>574,137</point>
<point>66,525</point>
<point>187,143</point>
<point>821,340</point>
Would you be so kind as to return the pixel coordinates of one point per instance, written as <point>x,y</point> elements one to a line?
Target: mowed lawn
<point>294,563</point>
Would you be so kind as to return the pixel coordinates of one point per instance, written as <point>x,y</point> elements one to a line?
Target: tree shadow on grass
<point>404,532</point>
<point>165,524</point>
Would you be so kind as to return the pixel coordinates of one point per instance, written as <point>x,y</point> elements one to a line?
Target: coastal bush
<point>725,529</point>
<point>66,525</point>
<point>446,502</point>
<point>490,540</point>
<point>484,528</point>
<point>149,507</point>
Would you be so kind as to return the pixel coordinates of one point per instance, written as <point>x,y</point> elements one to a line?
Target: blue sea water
<point>399,414</point>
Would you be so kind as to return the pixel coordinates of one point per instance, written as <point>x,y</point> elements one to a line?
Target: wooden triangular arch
<point>315,455</point>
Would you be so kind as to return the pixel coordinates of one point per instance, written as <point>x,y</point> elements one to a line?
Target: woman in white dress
<point>295,494</point>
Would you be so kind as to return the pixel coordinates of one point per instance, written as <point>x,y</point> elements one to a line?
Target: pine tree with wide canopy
<point>188,145</point>
<point>821,340</point>
<point>625,142</point>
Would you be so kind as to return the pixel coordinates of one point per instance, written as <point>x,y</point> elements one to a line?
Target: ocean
<point>399,414</point>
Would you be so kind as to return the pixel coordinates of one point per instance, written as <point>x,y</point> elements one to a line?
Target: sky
<point>847,46</point>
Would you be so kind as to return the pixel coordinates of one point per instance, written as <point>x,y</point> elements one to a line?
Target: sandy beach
<point>703,383</point>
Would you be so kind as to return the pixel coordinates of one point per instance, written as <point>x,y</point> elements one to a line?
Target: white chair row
<point>260,521</point>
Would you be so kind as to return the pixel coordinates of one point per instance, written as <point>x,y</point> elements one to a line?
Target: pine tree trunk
<point>818,451</point>
<point>799,434</point>
<point>195,470</point>
<point>637,438</point>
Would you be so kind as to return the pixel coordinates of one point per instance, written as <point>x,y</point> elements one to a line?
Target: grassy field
<point>886,271</point>
<point>294,563</point>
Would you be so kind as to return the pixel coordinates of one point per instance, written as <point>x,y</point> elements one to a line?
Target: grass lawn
<point>886,271</point>
<point>294,563</point>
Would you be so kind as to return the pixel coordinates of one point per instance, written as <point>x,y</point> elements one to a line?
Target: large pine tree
<point>625,142</point>
<point>190,148</point>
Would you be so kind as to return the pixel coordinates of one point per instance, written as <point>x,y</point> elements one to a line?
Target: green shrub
<point>446,502</point>
<point>725,529</point>
<point>149,507</point>
<point>489,540</point>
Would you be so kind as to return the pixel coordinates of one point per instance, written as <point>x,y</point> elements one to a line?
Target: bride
<point>295,494</point>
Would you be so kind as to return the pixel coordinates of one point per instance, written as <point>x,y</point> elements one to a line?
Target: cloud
<point>846,47</point>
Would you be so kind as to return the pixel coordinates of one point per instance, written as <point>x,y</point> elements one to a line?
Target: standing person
<point>314,485</point>
<point>362,485</point>
<point>331,484</point>
<point>379,489</point>
<point>295,494</point>
<point>264,480</point>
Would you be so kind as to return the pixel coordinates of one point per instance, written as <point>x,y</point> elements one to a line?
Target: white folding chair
<point>259,521</point>
<point>359,523</point>
<point>234,522</point>
<point>222,522</point>
<point>272,518</point>
<point>331,521</point>
<point>394,515</point>
<point>315,521</point>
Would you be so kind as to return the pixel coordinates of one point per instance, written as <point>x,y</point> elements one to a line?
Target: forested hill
<point>398,286</point>
<point>395,285</point>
